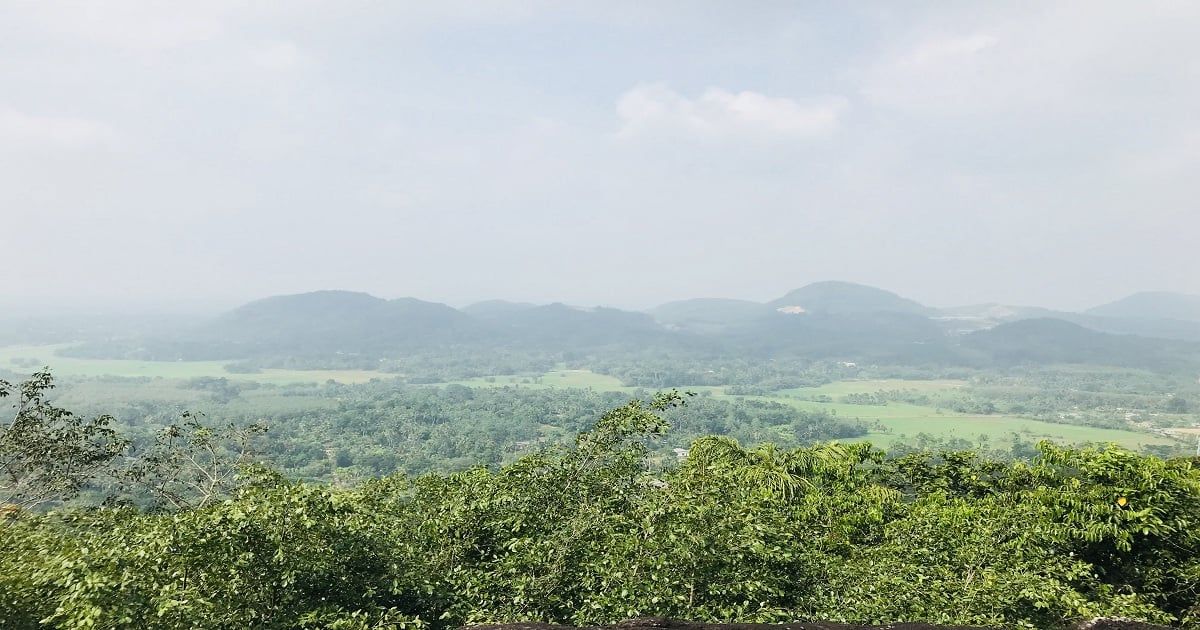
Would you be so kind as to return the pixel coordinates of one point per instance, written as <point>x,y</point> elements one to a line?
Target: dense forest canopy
<point>593,532</point>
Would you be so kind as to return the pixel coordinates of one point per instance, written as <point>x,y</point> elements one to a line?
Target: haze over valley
<point>418,316</point>
<point>821,320</point>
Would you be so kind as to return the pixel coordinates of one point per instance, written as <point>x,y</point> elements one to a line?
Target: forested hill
<point>1053,341</point>
<point>826,320</point>
<point>836,298</point>
<point>711,315</point>
<point>560,325</point>
<point>323,323</point>
<point>1153,305</point>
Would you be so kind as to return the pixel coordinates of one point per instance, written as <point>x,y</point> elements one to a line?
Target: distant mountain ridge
<point>1049,341</point>
<point>565,325</point>
<point>1152,305</point>
<point>318,324</point>
<point>711,315</point>
<point>824,320</point>
<point>968,319</point>
<point>494,308</point>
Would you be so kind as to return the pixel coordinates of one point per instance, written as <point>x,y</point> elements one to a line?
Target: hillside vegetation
<point>840,298</point>
<point>824,320</point>
<point>596,533</point>
<point>1153,305</point>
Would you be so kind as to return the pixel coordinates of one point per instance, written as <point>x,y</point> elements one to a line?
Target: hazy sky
<point>623,153</point>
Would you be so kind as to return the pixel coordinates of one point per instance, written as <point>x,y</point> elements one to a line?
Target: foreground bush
<point>589,535</point>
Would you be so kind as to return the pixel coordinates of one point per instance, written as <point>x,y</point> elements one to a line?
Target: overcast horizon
<point>618,154</point>
<point>44,306</point>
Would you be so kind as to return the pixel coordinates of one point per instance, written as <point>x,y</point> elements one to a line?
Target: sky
<point>203,154</point>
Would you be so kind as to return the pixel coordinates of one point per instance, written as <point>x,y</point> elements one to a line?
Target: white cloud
<point>1178,154</point>
<point>720,114</point>
<point>277,55</point>
<point>948,73</point>
<point>1058,59</point>
<point>392,121</point>
<point>26,130</point>
<point>943,48</point>
<point>131,24</point>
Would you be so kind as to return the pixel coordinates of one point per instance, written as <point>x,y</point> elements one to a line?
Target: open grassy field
<point>70,366</point>
<point>905,420</point>
<point>843,388</point>
<point>999,429</point>
<point>580,379</point>
<point>103,396</point>
<point>900,419</point>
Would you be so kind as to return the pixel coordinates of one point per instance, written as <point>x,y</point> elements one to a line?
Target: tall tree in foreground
<point>47,453</point>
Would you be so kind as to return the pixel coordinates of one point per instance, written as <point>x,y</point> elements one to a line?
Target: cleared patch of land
<point>99,395</point>
<point>901,421</point>
<point>845,388</point>
<point>898,420</point>
<point>579,379</point>
<point>11,356</point>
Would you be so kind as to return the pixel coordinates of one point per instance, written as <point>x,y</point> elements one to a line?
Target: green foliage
<point>278,555</point>
<point>595,532</point>
<point>48,453</point>
<point>343,433</point>
<point>988,561</point>
<point>191,464</point>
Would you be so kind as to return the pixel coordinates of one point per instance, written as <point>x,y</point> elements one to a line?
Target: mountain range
<point>832,320</point>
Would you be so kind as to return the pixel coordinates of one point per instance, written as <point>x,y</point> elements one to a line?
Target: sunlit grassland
<point>844,388</point>
<point>571,379</point>
<point>904,420</point>
<point>898,420</point>
<point>568,379</point>
<point>98,395</point>
<point>999,429</point>
<point>71,366</point>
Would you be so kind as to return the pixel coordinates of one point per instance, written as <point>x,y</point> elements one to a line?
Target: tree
<point>191,464</point>
<point>1176,404</point>
<point>48,453</point>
